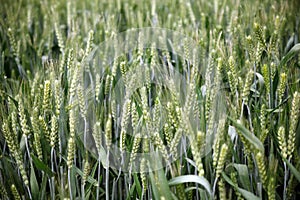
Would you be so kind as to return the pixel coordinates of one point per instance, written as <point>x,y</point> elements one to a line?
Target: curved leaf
<point>293,169</point>
<point>290,54</point>
<point>248,195</point>
<point>248,135</point>
<point>192,178</point>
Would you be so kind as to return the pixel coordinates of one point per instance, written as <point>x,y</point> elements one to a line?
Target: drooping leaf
<point>138,185</point>
<point>42,166</point>
<point>243,175</point>
<point>155,191</point>
<point>248,135</point>
<point>246,194</point>
<point>89,178</point>
<point>290,54</point>
<point>293,169</point>
<point>34,184</point>
<point>193,179</point>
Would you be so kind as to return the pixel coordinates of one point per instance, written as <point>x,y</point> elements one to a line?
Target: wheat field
<point>112,99</point>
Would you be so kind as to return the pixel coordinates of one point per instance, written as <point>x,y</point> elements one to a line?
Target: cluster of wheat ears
<point>75,125</point>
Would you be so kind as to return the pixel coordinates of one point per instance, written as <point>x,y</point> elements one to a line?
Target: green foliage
<point>48,91</point>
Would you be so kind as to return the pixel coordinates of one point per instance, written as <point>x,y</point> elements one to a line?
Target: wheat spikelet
<point>107,84</point>
<point>81,100</point>
<point>13,43</point>
<point>261,168</point>
<point>146,115</point>
<point>263,123</point>
<point>282,141</point>
<point>108,131</point>
<point>45,128</point>
<point>9,138</point>
<point>222,190</point>
<point>71,152</point>
<point>54,131</point>
<point>250,43</point>
<point>197,155</point>
<point>135,147</point>
<point>59,38</point>
<point>175,142</point>
<point>221,161</point>
<point>160,145</point>
<point>86,171</point>
<point>97,135</point>
<point>180,191</point>
<point>271,189</point>
<point>15,152</point>
<point>23,120</point>
<point>134,116</point>
<point>234,180</point>
<point>36,133</point>
<point>124,123</point>
<point>47,96</point>
<point>143,174</point>
<point>97,87</point>
<point>265,74</point>
<point>58,97</point>
<point>246,90</point>
<point>14,124</point>
<point>294,117</point>
<point>259,34</point>
<point>70,59</point>
<point>89,43</point>
<point>281,86</point>
<point>15,192</point>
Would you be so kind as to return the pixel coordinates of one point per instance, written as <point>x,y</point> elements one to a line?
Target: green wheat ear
<point>36,133</point>
<point>248,83</point>
<point>71,152</point>
<point>54,131</point>
<point>197,155</point>
<point>221,161</point>
<point>263,123</point>
<point>261,168</point>
<point>259,34</point>
<point>222,190</point>
<point>294,118</point>
<point>59,38</point>
<point>14,45</point>
<point>124,123</point>
<point>23,120</point>
<point>108,132</point>
<point>281,86</point>
<point>47,96</point>
<point>15,192</point>
<point>282,141</point>
<point>143,174</point>
<point>135,147</point>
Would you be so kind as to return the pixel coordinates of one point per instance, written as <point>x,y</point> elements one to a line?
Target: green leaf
<point>243,175</point>
<point>34,184</point>
<point>293,169</point>
<point>138,185</point>
<point>155,191</point>
<point>248,135</point>
<point>131,192</point>
<point>89,178</point>
<point>160,181</point>
<point>290,54</point>
<point>42,194</point>
<point>192,178</point>
<point>246,194</point>
<point>163,184</point>
<point>42,166</point>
